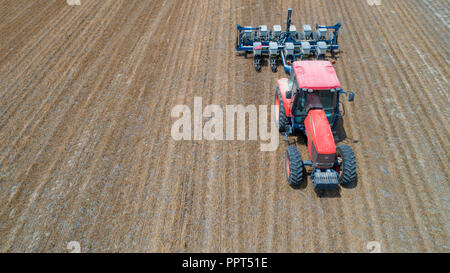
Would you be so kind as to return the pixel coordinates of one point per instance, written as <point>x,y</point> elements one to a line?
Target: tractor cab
<point>313,85</point>
<point>305,100</point>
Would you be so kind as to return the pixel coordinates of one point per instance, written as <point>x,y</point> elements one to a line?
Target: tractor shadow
<point>264,63</point>
<point>336,193</point>
<point>339,133</point>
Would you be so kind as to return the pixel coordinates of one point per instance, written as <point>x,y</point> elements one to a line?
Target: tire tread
<point>295,178</point>
<point>348,175</point>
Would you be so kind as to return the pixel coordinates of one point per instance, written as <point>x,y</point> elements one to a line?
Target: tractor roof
<point>316,75</point>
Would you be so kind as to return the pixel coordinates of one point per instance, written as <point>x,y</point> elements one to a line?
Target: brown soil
<point>86,152</point>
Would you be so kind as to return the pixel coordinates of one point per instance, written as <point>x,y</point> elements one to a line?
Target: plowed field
<point>86,152</point>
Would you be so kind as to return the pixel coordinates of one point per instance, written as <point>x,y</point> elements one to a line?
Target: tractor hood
<point>321,146</point>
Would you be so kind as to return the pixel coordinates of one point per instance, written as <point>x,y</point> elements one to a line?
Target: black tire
<point>273,65</point>
<point>294,166</point>
<point>274,68</point>
<point>347,167</point>
<point>282,120</point>
<point>257,63</point>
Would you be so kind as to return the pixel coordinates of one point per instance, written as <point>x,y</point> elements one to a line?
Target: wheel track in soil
<point>379,214</point>
<point>116,191</point>
<point>364,164</point>
<point>25,98</point>
<point>86,152</point>
<point>161,205</point>
<point>20,135</point>
<point>44,147</point>
<point>14,35</point>
<point>105,193</point>
<point>28,139</point>
<point>427,189</point>
<point>393,126</point>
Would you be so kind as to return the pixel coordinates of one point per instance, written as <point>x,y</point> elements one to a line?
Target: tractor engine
<point>321,146</point>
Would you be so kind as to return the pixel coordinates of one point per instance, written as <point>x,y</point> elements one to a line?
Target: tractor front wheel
<point>294,166</point>
<point>280,114</point>
<point>346,164</point>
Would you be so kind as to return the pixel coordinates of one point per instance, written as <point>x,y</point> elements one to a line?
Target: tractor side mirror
<point>289,94</point>
<point>351,96</point>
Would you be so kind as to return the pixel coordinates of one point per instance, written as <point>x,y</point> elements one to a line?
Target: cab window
<point>300,109</point>
<point>328,100</point>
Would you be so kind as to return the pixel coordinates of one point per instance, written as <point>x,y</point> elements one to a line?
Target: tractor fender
<point>283,86</point>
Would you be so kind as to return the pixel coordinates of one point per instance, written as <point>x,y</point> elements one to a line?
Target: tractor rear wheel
<point>280,114</point>
<point>294,166</point>
<point>347,164</point>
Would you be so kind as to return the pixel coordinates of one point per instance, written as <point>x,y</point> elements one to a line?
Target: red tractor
<point>307,103</point>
